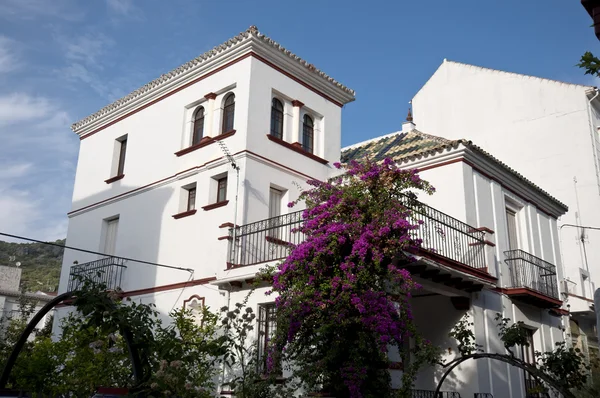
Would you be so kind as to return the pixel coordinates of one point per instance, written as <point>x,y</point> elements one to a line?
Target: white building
<point>154,184</point>
<point>545,129</point>
<point>14,303</point>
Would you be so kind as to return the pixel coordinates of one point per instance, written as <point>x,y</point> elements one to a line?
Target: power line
<point>98,253</point>
<point>578,226</point>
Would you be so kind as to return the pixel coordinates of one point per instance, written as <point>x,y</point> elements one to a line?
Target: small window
<point>228,113</point>
<point>277,119</point>
<point>221,189</point>
<point>122,152</point>
<point>111,227</point>
<point>198,126</point>
<point>308,135</point>
<point>191,199</point>
<point>267,326</point>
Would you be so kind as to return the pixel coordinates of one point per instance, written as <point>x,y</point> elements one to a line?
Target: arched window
<point>308,134</point>
<point>228,112</point>
<point>277,118</point>
<point>198,126</point>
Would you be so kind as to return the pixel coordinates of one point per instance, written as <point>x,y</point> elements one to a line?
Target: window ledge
<point>297,148</point>
<point>115,178</point>
<point>184,214</point>
<point>215,205</point>
<point>205,141</point>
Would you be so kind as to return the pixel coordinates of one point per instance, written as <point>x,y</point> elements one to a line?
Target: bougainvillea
<point>343,296</point>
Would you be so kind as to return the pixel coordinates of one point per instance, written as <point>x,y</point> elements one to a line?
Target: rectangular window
<point>221,189</point>
<point>122,152</point>
<point>511,224</point>
<point>191,199</point>
<point>267,327</point>
<point>110,237</point>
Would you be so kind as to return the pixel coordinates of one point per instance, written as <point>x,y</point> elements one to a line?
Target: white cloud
<point>87,48</point>
<point>13,171</point>
<point>34,9</point>
<point>8,58</point>
<point>123,7</point>
<point>18,107</point>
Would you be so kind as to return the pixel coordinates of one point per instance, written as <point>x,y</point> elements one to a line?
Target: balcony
<point>107,271</point>
<point>431,394</point>
<point>445,240</point>
<point>533,280</point>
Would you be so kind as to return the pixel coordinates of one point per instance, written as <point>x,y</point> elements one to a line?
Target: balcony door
<point>511,224</point>
<point>275,202</point>
<point>110,238</point>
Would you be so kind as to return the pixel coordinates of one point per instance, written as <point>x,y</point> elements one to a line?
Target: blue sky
<point>61,60</point>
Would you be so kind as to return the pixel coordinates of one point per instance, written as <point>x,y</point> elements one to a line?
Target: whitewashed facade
<point>547,130</point>
<point>154,183</point>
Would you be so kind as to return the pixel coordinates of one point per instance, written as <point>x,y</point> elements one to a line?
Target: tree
<point>590,63</point>
<point>343,294</point>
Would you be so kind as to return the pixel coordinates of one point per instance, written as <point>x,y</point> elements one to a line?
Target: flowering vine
<point>343,296</point>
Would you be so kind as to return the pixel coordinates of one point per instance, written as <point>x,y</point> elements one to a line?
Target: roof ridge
<point>361,143</point>
<point>516,73</point>
<point>252,31</point>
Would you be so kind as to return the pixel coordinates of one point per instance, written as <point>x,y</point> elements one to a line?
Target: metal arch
<point>126,332</point>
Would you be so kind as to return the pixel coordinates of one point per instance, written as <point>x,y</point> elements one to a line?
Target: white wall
<point>539,127</point>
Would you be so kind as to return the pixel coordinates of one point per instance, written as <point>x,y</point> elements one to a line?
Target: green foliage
<point>590,64</point>
<point>463,333</point>
<point>40,263</point>
<point>511,335</point>
<point>245,372</point>
<point>567,365</point>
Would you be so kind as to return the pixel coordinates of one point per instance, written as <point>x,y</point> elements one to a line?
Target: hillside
<point>40,263</point>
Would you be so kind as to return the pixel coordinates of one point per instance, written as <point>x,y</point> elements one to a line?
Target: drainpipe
<point>593,134</point>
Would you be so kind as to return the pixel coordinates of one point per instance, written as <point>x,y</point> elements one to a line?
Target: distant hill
<point>40,263</point>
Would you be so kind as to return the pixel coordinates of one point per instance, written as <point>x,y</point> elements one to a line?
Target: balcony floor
<point>530,296</point>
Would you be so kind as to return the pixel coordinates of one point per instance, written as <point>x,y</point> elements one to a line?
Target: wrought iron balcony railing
<point>483,395</point>
<point>431,394</point>
<point>107,271</point>
<point>529,271</point>
<point>271,239</point>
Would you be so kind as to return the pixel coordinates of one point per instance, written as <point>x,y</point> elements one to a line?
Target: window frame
<point>265,333</point>
<point>191,198</point>
<point>221,190</point>
<point>277,116</point>
<point>308,133</point>
<point>122,154</point>
<point>198,123</point>
<point>228,113</point>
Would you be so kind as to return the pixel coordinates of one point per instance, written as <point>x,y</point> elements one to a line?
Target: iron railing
<point>483,395</point>
<point>445,236</point>
<point>265,240</point>
<point>107,271</point>
<point>431,394</point>
<point>529,271</point>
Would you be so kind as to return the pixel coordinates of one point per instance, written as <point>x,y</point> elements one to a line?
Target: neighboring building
<point>549,131</point>
<point>14,303</point>
<point>154,183</point>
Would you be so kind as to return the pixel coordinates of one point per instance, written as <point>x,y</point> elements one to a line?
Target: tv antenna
<point>235,166</point>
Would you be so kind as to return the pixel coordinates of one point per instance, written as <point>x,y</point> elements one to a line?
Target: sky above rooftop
<point>62,62</point>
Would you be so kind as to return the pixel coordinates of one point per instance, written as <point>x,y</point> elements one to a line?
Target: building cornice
<point>248,43</point>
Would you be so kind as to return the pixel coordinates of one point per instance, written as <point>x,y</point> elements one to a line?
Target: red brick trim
<point>184,214</point>
<point>485,242</point>
<point>204,142</point>
<point>277,241</point>
<point>296,149</point>
<point>480,273</point>
<point>513,291</point>
<point>185,171</point>
<point>580,297</point>
<point>225,237</point>
<point>297,104</point>
<point>195,296</point>
<point>559,312</point>
<point>235,61</point>
<point>210,96</point>
<point>483,229</point>
<point>172,286</point>
<point>115,178</point>
<point>215,205</point>
<point>226,225</point>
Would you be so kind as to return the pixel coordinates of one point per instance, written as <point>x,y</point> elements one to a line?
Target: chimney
<point>408,125</point>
